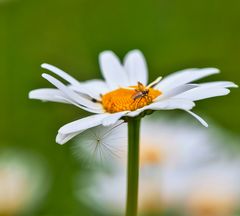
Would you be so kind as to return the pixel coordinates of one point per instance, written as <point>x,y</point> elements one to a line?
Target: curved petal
<point>74,97</point>
<point>72,129</point>
<point>223,84</point>
<point>112,70</point>
<point>176,91</point>
<point>61,73</point>
<point>171,103</point>
<point>136,67</point>
<point>184,77</point>
<point>168,104</point>
<point>83,124</point>
<point>202,121</point>
<point>93,88</point>
<point>203,92</point>
<point>63,138</point>
<point>113,118</point>
<point>48,94</point>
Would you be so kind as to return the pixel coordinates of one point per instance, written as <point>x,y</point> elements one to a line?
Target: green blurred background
<point>173,35</point>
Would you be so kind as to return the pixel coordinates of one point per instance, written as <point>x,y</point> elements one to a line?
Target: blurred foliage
<point>70,34</point>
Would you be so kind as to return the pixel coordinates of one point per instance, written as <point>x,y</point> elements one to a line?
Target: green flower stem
<point>133,166</point>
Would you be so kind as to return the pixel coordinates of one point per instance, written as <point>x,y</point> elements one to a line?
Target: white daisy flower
<point>125,92</point>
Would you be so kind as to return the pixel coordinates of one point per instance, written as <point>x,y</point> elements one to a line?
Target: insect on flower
<point>143,92</point>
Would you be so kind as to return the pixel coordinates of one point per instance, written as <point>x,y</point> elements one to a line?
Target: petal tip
<point>44,65</point>
<point>59,139</point>
<point>227,91</point>
<point>44,75</point>
<point>234,85</point>
<point>216,69</point>
<point>135,51</point>
<point>212,69</point>
<point>30,95</point>
<point>134,54</point>
<point>106,53</point>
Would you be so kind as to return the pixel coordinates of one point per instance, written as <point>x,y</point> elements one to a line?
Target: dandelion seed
<point>101,144</point>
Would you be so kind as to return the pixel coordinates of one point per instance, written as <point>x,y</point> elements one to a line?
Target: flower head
<point>125,92</point>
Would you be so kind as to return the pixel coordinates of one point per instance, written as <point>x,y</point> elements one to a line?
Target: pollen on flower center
<point>132,98</point>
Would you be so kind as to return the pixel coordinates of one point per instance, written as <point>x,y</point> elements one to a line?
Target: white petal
<point>172,103</point>
<point>223,84</point>
<point>136,112</point>
<point>113,118</point>
<point>112,70</point>
<point>176,91</point>
<point>74,97</point>
<point>136,67</point>
<point>183,77</point>
<point>204,123</point>
<point>48,94</point>
<point>203,92</point>
<point>63,138</point>
<point>60,73</point>
<point>154,83</point>
<point>93,88</point>
<point>168,104</point>
<point>83,124</point>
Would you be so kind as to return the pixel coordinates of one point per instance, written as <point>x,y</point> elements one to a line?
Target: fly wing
<point>137,95</point>
<point>141,87</point>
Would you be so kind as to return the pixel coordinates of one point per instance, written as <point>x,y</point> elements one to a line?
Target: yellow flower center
<point>129,99</point>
